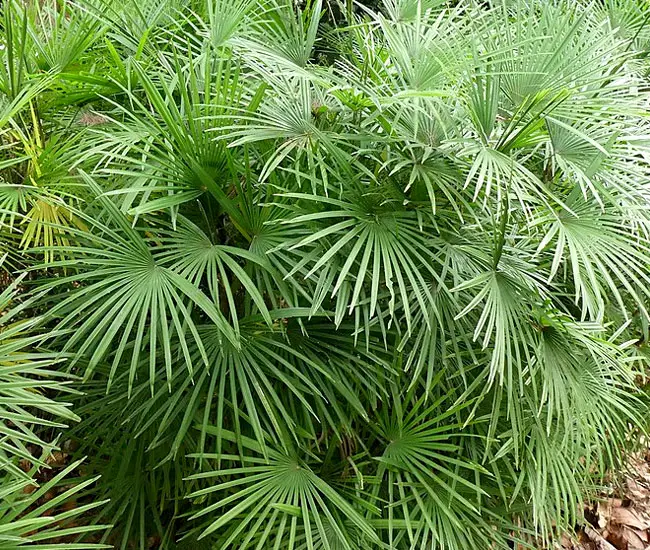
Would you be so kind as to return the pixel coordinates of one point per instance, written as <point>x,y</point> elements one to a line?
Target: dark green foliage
<point>315,276</point>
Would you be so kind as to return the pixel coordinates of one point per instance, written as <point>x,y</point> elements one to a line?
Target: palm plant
<point>379,282</point>
<point>31,512</point>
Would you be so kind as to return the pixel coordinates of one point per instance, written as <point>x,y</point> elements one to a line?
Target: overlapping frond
<point>330,276</point>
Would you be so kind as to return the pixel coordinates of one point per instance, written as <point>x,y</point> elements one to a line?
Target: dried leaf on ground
<point>620,522</point>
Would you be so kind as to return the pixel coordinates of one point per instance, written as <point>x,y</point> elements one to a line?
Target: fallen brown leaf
<point>629,517</point>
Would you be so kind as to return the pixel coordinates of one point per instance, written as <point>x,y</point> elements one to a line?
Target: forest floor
<point>620,519</point>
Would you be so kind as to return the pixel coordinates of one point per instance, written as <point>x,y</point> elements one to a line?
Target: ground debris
<point>620,521</point>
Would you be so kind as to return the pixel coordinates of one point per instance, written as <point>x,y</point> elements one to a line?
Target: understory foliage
<point>318,276</point>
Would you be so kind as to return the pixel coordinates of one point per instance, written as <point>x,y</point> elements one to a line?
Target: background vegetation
<point>319,276</point>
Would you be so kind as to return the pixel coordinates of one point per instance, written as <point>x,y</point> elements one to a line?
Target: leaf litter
<point>620,518</point>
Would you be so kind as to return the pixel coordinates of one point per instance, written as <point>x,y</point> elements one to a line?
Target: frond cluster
<point>319,276</point>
